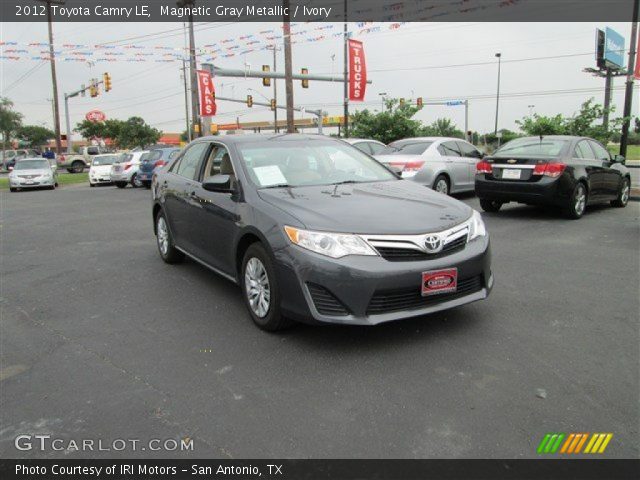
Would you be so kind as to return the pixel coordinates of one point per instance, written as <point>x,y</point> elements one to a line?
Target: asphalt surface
<point>102,340</point>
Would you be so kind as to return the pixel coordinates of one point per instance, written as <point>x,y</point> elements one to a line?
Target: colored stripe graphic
<point>598,443</point>
<point>572,443</point>
<point>550,443</point>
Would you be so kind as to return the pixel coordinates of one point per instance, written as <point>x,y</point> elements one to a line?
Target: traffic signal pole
<point>67,96</point>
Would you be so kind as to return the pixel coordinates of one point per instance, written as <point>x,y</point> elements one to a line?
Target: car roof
<point>261,137</point>
<point>430,139</point>
<point>556,137</point>
<point>356,140</point>
<point>33,158</point>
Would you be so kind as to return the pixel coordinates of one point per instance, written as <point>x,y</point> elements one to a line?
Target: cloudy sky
<point>542,67</point>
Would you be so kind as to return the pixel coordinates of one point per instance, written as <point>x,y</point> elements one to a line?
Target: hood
<point>32,171</point>
<point>395,207</point>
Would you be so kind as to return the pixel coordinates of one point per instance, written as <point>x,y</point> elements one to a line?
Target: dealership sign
<point>95,116</point>
<point>357,71</point>
<point>613,48</point>
<point>207,94</point>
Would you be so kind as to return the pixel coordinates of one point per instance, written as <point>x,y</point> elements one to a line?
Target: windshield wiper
<point>278,185</point>
<point>344,182</point>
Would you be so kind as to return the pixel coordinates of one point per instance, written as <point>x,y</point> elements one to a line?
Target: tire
<point>257,268</point>
<point>92,184</point>
<point>147,184</point>
<point>11,189</point>
<point>623,194</point>
<point>489,205</point>
<point>77,167</point>
<point>121,184</point>
<point>70,170</point>
<point>168,252</point>
<point>52,187</point>
<point>441,185</point>
<point>577,202</point>
<point>135,183</point>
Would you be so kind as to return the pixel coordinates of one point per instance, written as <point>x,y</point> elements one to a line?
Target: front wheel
<point>623,195</point>
<point>260,289</point>
<point>121,184</point>
<point>13,189</point>
<point>489,205</point>
<point>168,252</point>
<point>577,203</point>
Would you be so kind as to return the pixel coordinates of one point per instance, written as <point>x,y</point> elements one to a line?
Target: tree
<point>136,133</point>
<point>34,135</point>
<point>442,127</point>
<point>10,120</point>
<point>394,123</point>
<point>107,129</point>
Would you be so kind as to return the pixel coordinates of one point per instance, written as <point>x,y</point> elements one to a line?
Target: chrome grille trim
<point>416,242</point>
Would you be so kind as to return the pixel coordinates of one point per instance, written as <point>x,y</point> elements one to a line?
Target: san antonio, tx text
<point>141,469</point>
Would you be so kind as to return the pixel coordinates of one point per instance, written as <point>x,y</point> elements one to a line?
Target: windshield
<point>537,147</point>
<point>299,163</point>
<point>406,148</point>
<point>31,164</point>
<point>105,160</point>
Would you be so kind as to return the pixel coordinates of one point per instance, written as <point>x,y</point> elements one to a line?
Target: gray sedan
<point>447,165</point>
<point>32,173</point>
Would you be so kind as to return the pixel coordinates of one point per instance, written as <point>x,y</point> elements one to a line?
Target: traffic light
<point>305,82</point>
<point>93,89</point>
<point>419,102</point>
<point>214,128</point>
<point>249,101</point>
<point>402,102</point>
<point>266,81</point>
<point>273,104</point>
<point>107,81</point>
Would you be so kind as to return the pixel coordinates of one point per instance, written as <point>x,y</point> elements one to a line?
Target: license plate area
<point>511,173</point>
<point>435,282</point>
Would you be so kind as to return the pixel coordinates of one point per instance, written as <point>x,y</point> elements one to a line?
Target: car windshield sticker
<point>269,175</point>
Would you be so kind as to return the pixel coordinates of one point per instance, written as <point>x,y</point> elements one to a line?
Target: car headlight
<point>333,245</point>
<point>477,228</point>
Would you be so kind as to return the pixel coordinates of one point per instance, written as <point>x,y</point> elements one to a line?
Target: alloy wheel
<point>257,286</point>
<point>624,195</point>
<point>163,236</point>
<point>442,186</point>
<point>580,200</point>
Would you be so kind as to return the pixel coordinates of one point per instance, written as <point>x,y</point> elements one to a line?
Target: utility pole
<point>499,55</point>
<point>346,73</point>
<point>628,96</point>
<point>288,71</point>
<point>186,99</point>
<point>608,85</point>
<point>275,88</point>
<point>54,79</point>
<point>192,67</point>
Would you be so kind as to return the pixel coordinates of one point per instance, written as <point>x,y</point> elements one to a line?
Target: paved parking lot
<point>102,340</point>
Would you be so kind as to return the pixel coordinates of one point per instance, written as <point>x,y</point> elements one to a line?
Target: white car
<point>100,170</point>
<point>447,165</point>
<point>125,170</point>
<point>32,173</point>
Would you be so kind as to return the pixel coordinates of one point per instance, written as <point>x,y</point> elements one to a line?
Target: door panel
<point>611,177</point>
<point>471,156</point>
<point>584,157</point>
<point>456,165</point>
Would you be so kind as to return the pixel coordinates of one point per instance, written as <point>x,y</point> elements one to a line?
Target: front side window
<point>215,160</point>
<point>583,150</point>
<point>601,152</point>
<point>189,166</point>
<point>299,163</point>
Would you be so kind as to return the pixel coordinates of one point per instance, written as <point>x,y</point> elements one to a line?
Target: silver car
<point>372,147</point>
<point>125,170</point>
<point>447,165</point>
<point>32,173</point>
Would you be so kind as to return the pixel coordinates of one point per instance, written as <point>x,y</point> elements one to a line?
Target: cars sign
<point>95,116</point>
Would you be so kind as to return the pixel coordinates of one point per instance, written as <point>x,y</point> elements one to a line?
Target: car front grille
<point>386,301</point>
<point>395,254</point>
<point>325,302</point>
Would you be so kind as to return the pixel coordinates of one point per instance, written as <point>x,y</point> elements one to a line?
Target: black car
<point>562,171</point>
<point>315,230</point>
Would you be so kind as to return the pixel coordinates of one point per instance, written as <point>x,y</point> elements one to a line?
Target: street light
<point>531,107</point>
<point>383,96</point>
<point>499,56</point>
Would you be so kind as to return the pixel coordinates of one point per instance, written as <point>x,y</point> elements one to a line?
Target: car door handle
<point>193,195</point>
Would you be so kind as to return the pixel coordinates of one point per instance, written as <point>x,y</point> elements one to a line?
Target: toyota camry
<point>312,229</point>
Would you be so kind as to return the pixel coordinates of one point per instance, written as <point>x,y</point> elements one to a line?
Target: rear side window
<point>376,148</point>
<point>93,150</point>
<point>583,150</point>
<point>189,166</point>
<point>363,147</point>
<point>601,152</point>
<point>449,149</point>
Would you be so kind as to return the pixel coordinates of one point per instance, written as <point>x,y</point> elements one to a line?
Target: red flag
<point>357,71</point>
<point>207,94</point>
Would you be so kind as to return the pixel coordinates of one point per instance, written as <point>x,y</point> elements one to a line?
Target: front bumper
<point>31,183</point>
<point>372,290</point>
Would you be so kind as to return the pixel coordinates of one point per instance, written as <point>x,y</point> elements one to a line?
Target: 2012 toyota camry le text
<point>312,229</point>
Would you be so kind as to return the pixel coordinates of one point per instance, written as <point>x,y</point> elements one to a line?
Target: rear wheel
<point>147,184</point>
<point>135,181</point>
<point>168,252</point>
<point>260,289</point>
<point>623,195</point>
<point>577,202</point>
<point>441,185</point>
<point>77,167</point>
<point>121,184</point>
<point>489,205</point>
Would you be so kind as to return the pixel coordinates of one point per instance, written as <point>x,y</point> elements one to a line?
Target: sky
<point>436,61</point>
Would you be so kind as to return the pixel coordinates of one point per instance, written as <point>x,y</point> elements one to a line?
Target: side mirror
<point>218,183</point>
<point>619,159</point>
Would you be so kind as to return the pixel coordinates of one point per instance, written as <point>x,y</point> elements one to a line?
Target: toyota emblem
<point>432,243</point>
